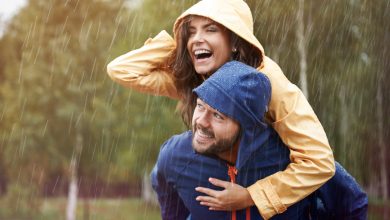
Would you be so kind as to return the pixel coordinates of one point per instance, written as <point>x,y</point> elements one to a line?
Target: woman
<point>207,35</point>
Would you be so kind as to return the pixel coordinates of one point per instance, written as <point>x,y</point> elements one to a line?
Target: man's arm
<point>342,198</point>
<point>172,207</point>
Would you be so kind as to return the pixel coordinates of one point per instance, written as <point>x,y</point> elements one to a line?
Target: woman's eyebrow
<point>209,24</point>
<point>204,26</point>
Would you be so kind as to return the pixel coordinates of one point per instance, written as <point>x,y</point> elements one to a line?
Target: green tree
<point>347,64</point>
<point>54,86</point>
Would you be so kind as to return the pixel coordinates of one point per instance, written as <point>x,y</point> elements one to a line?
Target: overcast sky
<point>10,7</point>
<point>7,9</point>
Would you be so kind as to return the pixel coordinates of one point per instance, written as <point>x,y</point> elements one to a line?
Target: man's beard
<point>218,147</point>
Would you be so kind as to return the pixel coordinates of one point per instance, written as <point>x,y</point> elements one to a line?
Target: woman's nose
<point>198,37</point>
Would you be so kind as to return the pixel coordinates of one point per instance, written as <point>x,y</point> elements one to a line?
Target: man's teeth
<point>204,134</point>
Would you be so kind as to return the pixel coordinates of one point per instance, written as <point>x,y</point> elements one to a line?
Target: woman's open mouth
<point>202,54</point>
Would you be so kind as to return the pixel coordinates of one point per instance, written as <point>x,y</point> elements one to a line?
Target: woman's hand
<point>233,197</point>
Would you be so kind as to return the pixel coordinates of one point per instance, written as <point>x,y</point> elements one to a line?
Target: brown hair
<point>185,76</point>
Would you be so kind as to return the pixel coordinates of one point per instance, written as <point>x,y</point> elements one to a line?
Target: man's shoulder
<point>178,142</point>
<point>175,153</point>
<point>176,146</point>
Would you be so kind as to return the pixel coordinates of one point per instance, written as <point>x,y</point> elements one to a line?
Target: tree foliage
<point>347,54</point>
<point>53,84</point>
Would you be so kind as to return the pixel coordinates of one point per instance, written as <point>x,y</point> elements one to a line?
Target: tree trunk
<point>381,141</point>
<point>72,196</point>
<point>73,187</point>
<point>343,127</point>
<point>148,195</point>
<point>301,43</point>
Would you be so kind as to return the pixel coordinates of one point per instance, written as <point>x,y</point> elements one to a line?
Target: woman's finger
<point>218,209</point>
<point>213,206</point>
<point>207,199</point>
<point>220,183</point>
<point>207,191</point>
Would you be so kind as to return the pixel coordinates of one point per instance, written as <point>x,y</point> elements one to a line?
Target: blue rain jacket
<point>340,198</point>
<point>243,96</point>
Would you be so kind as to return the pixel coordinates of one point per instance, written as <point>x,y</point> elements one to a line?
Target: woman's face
<point>208,45</point>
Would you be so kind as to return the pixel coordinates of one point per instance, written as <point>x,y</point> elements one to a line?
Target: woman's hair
<point>185,76</point>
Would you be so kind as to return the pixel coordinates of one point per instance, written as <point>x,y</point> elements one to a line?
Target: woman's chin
<point>204,73</point>
<point>204,70</point>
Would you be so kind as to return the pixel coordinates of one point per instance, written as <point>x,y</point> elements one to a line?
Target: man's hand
<point>233,197</point>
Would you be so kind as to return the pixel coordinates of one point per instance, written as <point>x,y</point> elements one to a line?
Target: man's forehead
<point>210,108</point>
<point>213,110</point>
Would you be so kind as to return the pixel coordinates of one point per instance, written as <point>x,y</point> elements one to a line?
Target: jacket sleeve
<point>144,69</point>
<point>341,198</point>
<point>171,205</point>
<point>312,162</point>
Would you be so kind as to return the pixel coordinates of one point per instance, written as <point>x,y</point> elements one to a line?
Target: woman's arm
<point>312,162</point>
<point>143,69</point>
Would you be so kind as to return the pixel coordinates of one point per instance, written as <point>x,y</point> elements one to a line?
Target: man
<point>230,141</point>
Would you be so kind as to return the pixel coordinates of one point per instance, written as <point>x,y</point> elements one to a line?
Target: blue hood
<point>244,97</point>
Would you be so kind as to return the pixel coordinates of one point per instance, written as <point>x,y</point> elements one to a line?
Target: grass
<point>128,209</point>
<point>102,209</point>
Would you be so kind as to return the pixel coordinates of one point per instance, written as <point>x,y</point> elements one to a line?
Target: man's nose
<point>203,120</point>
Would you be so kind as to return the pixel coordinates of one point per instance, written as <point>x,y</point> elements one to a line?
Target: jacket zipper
<point>232,172</point>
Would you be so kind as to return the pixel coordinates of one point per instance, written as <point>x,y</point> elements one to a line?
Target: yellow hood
<point>233,14</point>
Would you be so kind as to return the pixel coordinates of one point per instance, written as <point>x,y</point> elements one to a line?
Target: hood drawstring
<point>232,172</point>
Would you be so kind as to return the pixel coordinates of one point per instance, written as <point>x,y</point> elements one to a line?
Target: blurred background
<point>74,144</point>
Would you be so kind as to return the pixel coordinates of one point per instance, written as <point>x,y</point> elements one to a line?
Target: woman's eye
<point>191,31</point>
<point>212,29</point>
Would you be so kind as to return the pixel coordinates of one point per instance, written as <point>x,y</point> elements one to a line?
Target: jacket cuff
<point>266,199</point>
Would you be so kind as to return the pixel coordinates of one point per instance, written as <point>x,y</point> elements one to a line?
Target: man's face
<point>213,132</point>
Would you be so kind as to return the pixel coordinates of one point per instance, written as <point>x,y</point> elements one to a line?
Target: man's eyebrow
<point>219,113</point>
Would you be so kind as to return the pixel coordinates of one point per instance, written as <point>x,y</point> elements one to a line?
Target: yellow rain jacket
<point>312,162</point>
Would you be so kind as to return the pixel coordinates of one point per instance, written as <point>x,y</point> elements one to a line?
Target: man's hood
<point>233,14</point>
<point>241,93</point>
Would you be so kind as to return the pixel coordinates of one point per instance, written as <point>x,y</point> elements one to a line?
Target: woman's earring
<point>234,50</point>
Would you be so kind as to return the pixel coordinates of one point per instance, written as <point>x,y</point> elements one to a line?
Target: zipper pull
<point>232,172</point>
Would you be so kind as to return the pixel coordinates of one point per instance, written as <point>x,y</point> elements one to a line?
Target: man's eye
<point>218,116</point>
